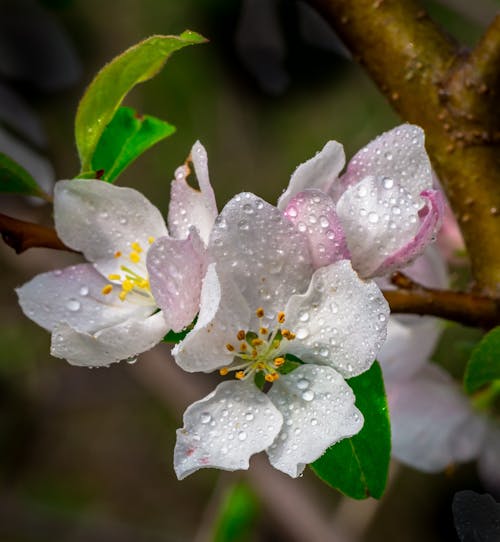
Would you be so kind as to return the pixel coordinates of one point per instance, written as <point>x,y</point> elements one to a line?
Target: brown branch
<point>21,235</point>
<point>453,95</point>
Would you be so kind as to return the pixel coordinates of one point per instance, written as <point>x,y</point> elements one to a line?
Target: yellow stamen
<point>122,295</point>
<point>243,347</point>
<point>254,353</point>
<point>144,284</point>
<point>240,335</point>
<point>260,366</point>
<point>107,289</point>
<point>278,362</point>
<point>127,285</point>
<point>281,317</point>
<point>285,333</point>
<point>257,342</point>
<point>114,276</point>
<point>240,374</point>
<point>134,257</point>
<point>151,240</point>
<point>260,312</point>
<point>263,331</point>
<point>137,247</point>
<point>118,254</point>
<point>223,371</point>
<point>276,376</point>
<point>269,378</point>
<point>291,336</point>
<point>230,347</point>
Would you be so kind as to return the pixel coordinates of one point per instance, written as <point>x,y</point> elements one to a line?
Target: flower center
<point>133,277</point>
<point>259,352</point>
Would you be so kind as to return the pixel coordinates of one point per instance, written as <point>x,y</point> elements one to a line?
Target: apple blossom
<point>261,302</point>
<point>383,211</point>
<point>108,310</point>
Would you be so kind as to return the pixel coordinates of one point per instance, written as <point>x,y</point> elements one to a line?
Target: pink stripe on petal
<point>431,216</point>
<point>313,214</point>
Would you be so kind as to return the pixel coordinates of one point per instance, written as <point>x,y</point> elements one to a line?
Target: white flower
<point>261,300</point>
<point>108,310</point>
<point>382,212</point>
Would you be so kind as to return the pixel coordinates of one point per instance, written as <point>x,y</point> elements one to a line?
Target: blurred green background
<point>87,455</point>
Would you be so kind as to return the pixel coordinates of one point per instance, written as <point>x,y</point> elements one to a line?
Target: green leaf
<point>110,86</point>
<point>358,466</point>
<point>174,337</point>
<point>14,179</point>
<point>125,138</point>
<point>484,364</point>
<point>236,515</point>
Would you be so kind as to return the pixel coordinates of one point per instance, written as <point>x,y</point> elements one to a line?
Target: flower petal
<point>319,172</point>
<point>267,257</point>
<point>379,217</point>
<point>73,295</point>
<point>318,410</point>
<point>223,312</point>
<point>100,219</point>
<point>340,321</point>
<point>188,206</point>
<point>398,154</point>
<point>432,423</point>
<point>430,222</point>
<point>225,428</point>
<point>119,342</point>
<point>176,268</point>
<point>313,213</point>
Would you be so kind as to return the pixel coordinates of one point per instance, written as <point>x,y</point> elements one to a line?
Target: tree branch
<point>452,94</point>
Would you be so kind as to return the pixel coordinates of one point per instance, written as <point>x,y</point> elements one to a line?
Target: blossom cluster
<point>280,300</point>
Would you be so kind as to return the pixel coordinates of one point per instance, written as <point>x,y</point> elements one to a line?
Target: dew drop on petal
<point>303,384</point>
<point>302,333</point>
<point>249,416</point>
<point>73,305</point>
<point>242,435</point>
<point>84,291</point>
<point>308,395</point>
<point>373,217</point>
<point>314,421</point>
<point>205,417</point>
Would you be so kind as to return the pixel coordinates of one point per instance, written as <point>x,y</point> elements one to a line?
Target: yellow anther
<point>269,378</point>
<point>107,289</point>
<point>240,335</point>
<point>260,312</point>
<point>263,331</point>
<point>281,317</point>
<point>134,257</point>
<point>243,347</point>
<point>223,371</point>
<point>136,246</point>
<point>254,353</point>
<point>230,347</point>
<point>278,362</point>
<point>122,295</point>
<point>257,342</point>
<point>143,284</point>
<point>240,374</point>
<point>260,366</point>
<point>151,240</point>
<point>127,285</point>
<point>292,336</point>
<point>285,333</point>
<point>276,376</point>
<point>118,254</point>
<point>114,276</point>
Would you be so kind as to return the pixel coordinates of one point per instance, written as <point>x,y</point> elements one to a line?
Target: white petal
<point>340,321</point>
<point>100,219</point>
<point>122,341</point>
<point>223,312</point>
<point>225,428</point>
<point>488,458</point>
<point>188,206</point>
<point>318,410</point>
<point>432,423</point>
<point>266,256</point>
<point>319,172</point>
<point>398,154</point>
<point>73,295</point>
<point>176,268</point>
<point>379,217</point>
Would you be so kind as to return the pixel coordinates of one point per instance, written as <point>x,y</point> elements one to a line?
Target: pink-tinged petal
<point>450,240</point>
<point>313,213</point>
<point>398,154</point>
<point>123,341</point>
<point>188,206</point>
<point>74,295</point>
<point>176,269</point>
<point>223,312</point>
<point>488,458</point>
<point>99,219</point>
<point>266,256</point>
<point>318,172</point>
<point>430,221</point>
<point>225,428</point>
<point>432,423</point>
<point>341,320</point>
<point>318,410</point>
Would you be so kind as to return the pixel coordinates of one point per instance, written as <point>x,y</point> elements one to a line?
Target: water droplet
<point>314,421</point>
<point>73,305</point>
<point>388,155</point>
<point>205,417</point>
<point>308,395</point>
<point>382,317</point>
<point>249,416</point>
<point>303,384</point>
<point>242,435</point>
<point>387,183</point>
<point>131,360</point>
<point>373,217</point>
<point>304,316</point>
<point>84,291</point>
<point>302,333</point>
<point>123,221</point>
<point>292,211</point>
<point>248,209</point>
